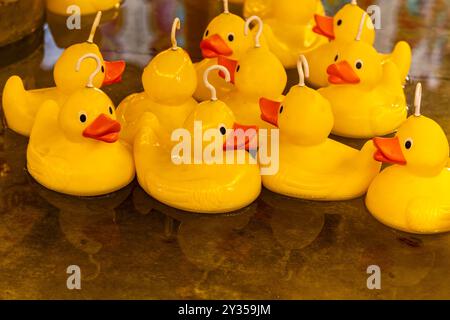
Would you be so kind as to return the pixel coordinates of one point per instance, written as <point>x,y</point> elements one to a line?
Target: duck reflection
<point>295,223</point>
<point>89,224</point>
<point>405,260</point>
<point>210,242</point>
<point>65,37</point>
<point>206,241</point>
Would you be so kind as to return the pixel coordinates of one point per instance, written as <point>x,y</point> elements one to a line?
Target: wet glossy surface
<point>130,246</point>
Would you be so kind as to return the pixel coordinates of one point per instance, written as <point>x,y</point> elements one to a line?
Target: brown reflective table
<point>129,246</point>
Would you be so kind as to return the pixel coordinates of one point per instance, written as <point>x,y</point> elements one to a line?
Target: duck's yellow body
<point>329,171</point>
<point>21,106</point>
<point>312,166</point>
<point>366,95</point>
<point>289,29</point>
<point>86,6</point>
<point>202,188</point>
<point>79,158</point>
<point>341,30</point>
<point>169,83</point>
<point>134,106</point>
<point>413,195</point>
<point>411,203</point>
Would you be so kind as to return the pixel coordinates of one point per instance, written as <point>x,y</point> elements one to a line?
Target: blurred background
<point>130,246</point>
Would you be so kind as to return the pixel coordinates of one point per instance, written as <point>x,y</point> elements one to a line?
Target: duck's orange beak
<point>215,46</point>
<point>342,73</point>
<point>269,110</point>
<point>243,137</point>
<point>113,72</point>
<point>103,129</point>
<point>324,26</point>
<point>389,151</point>
<point>230,65</point>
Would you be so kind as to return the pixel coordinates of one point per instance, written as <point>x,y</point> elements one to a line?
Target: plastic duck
<point>21,106</point>
<point>289,27</point>
<point>74,149</point>
<point>169,83</point>
<point>413,195</point>
<point>224,42</point>
<point>197,187</point>
<point>366,95</point>
<point>63,7</point>
<point>259,74</point>
<point>340,30</point>
<point>312,166</point>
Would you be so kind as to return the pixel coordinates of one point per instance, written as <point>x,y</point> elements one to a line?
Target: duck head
<point>89,116</point>
<point>344,24</point>
<point>304,116</point>
<point>224,39</point>
<point>259,72</point>
<point>68,80</point>
<point>216,115</point>
<point>170,77</point>
<point>356,63</point>
<point>420,145</point>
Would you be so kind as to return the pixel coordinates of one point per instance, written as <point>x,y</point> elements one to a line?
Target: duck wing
<point>260,8</point>
<point>428,215</point>
<point>402,58</point>
<point>21,106</point>
<point>41,151</point>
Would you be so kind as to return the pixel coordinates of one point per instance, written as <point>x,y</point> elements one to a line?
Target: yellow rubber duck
<point>74,149</point>
<point>366,95</point>
<point>224,42</point>
<point>312,166</point>
<point>259,73</point>
<point>340,30</point>
<point>169,82</point>
<point>413,195</point>
<point>288,26</point>
<point>21,106</point>
<point>197,186</point>
<point>62,7</point>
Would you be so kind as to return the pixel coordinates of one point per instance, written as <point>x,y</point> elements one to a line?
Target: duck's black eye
<point>207,33</point>
<point>281,109</point>
<point>336,58</point>
<point>238,68</point>
<point>223,130</point>
<point>408,144</point>
<point>83,118</point>
<point>110,110</point>
<point>103,69</point>
<point>339,22</point>
<point>231,37</point>
<point>359,64</point>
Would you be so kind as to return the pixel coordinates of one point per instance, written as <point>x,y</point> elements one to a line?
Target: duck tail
<point>402,57</point>
<point>15,106</point>
<point>365,168</point>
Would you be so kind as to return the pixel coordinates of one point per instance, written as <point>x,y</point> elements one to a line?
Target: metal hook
<point>209,85</point>
<point>418,100</point>
<point>95,25</point>
<point>173,37</point>
<point>260,30</point>
<point>303,70</point>
<point>90,83</point>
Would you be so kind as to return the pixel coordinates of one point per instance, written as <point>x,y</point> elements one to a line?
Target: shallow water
<point>130,246</point>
